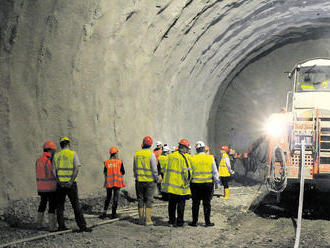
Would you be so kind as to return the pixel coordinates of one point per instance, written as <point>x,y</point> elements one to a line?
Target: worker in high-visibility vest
<point>146,177</point>
<point>225,170</point>
<point>204,175</point>
<point>162,161</point>
<point>176,182</point>
<point>66,168</point>
<point>113,181</point>
<point>46,185</point>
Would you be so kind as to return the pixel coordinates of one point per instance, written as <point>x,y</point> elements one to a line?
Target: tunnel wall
<point>110,72</point>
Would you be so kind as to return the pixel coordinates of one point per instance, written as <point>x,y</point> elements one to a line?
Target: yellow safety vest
<point>143,166</point>
<point>223,169</point>
<point>176,175</point>
<point>64,165</point>
<point>163,162</point>
<point>202,168</point>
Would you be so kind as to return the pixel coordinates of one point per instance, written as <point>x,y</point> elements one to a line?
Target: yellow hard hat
<point>64,139</point>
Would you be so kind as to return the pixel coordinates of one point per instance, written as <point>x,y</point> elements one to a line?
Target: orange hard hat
<point>49,145</point>
<point>207,148</point>
<point>184,142</point>
<point>147,141</point>
<point>225,148</point>
<point>113,150</point>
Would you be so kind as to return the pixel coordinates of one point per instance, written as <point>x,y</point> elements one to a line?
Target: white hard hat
<point>158,143</point>
<point>199,144</point>
<point>166,148</point>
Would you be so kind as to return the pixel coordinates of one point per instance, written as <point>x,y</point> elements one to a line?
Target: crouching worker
<point>113,181</point>
<point>46,186</point>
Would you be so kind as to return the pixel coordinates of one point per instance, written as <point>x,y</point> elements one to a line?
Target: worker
<point>204,174</point>
<point>159,149</point>
<point>113,181</point>
<point>177,181</point>
<point>162,161</point>
<point>146,176</point>
<point>46,185</point>
<point>307,84</point>
<point>66,168</point>
<point>225,170</point>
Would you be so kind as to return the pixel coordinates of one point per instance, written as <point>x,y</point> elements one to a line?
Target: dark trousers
<point>145,193</point>
<point>49,197</point>
<point>114,201</point>
<point>176,203</point>
<point>204,192</point>
<point>72,193</point>
<point>225,181</point>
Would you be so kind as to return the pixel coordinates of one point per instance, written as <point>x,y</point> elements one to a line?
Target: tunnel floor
<point>235,226</point>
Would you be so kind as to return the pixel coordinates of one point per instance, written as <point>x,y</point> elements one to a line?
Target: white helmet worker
<point>199,144</point>
<point>158,143</point>
<point>166,148</point>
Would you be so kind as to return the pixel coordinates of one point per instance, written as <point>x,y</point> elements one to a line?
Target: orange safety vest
<point>114,176</point>
<point>45,179</point>
<point>158,153</point>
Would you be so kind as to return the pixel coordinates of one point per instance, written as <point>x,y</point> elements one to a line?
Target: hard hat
<point>147,141</point>
<point>166,148</point>
<point>207,148</point>
<point>64,139</point>
<point>113,150</point>
<point>49,145</point>
<point>184,142</point>
<point>158,143</point>
<point>225,148</point>
<point>199,144</point>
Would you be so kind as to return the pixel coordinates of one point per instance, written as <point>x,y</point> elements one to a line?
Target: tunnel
<point>109,73</point>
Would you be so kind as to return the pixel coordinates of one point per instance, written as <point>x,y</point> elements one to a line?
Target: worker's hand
<point>232,172</point>
<point>159,179</point>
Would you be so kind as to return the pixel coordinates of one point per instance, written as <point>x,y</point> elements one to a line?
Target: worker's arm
<point>227,160</point>
<point>76,165</point>
<point>215,172</point>
<point>122,169</point>
<point>134,168</point>
<point>153,165</point>
<point>55,171</point>
<point>105,177</point>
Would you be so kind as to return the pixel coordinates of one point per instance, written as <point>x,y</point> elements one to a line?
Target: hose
<point>277,184</point>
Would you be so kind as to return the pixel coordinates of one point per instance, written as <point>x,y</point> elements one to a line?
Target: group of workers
<point>178,174</point>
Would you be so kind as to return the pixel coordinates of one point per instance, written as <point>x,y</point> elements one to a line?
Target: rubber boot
<point>148,217</point>
<point>40,220</point>
<point>227,193</point>
<point>141,216</point>
<point>52,222</point>
<point>114,212</point>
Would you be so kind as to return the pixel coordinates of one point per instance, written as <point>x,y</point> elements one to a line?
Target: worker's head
<point>147,142</point>
<point>64,142</point>
<point>49,146</point>
<point>159,144</point>
<point>200,146</point>
<point>166,149</point>
<point>224,148</point>
<point>113,152</point>
<point>184,146</point>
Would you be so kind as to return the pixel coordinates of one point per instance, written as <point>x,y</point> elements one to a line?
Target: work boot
<point>51,222</point>
<point>40,220</point>
<point>85,229</point>
<point>141,216</point>
<point>209,224</point>
<point>103,215</point>
<point>114,212</point>
<point>227,193</point>
<point>194,224</point>
<point>148,217</point>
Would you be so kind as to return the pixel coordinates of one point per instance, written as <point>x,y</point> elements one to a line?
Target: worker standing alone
<point>146,176</point>
<point>113,180</point>
<point>225,170</point>
<point>66,168</point>
<point>176,182</point>
<point>204,173</point>
<point>46,185</point>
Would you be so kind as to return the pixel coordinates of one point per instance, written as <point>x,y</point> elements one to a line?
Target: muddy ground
<point>266,224</point>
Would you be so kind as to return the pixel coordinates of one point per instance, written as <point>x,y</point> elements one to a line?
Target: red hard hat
<point>225,148</point>
<point>184,142</point>
<point>49,145</point>
<point>113,150</point>
<point>147,141</point>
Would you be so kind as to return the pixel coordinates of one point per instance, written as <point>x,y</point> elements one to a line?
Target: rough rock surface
<point>110,72</point>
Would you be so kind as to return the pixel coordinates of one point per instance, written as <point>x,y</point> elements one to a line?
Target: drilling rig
<point>306,117</point>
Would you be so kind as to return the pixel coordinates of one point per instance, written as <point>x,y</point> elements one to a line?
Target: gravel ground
<point>235,226</point>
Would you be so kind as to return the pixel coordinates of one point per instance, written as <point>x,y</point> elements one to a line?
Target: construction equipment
<point>306,117</point>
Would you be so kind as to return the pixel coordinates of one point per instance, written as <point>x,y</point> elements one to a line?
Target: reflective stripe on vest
<point>64,165</point>
<point>223,169</point>
<point>44,176</point>
<point>163,162</point>
<point>202,168</point>
<point>176,175</point>
<point>143,166</point>
<point>114,176</point>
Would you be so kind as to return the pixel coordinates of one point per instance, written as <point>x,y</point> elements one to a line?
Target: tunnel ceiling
<point>110,72</point>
